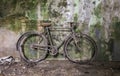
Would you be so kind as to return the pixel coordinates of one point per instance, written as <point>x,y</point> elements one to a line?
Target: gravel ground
<point>62,68</point>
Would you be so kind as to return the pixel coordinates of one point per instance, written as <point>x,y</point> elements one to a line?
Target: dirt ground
<point>62,68</point>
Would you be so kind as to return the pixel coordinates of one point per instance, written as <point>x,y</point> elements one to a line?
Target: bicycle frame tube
<point>64,41</point>
<point>48,31</point>
<point>49,37</point>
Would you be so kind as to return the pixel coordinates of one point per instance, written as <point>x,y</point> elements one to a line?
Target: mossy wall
<point>98,18</point>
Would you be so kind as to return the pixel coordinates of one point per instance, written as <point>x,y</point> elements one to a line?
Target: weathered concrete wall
<point>92,14</point>
<point>8,41</point>
<point>111,18</point>
<point>116,51</point>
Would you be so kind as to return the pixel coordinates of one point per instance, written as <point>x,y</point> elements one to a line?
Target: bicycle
<point>36,46</point>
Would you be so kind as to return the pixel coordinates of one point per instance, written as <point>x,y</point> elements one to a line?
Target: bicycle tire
<point>75,54</point>
<point>26,51</point>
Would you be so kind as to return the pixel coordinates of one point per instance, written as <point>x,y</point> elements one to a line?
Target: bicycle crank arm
<point>37,46</point>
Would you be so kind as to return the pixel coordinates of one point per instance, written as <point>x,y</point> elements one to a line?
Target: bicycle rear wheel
<point>82,49</point>
<point>32,47</point>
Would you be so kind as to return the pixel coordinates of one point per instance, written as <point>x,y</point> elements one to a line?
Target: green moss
<point>15,26</point>
<point>31,25</point>
<point>76,17</point>
<point>97,11</point>
<point>32,14</point>
<point>62,3</point>
<point>116,28</point>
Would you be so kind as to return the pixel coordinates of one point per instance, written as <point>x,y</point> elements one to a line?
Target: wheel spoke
<point>79,50</point>
<point>34,47</point>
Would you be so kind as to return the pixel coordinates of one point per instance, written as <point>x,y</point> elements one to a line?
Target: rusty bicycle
<point>35,46</point>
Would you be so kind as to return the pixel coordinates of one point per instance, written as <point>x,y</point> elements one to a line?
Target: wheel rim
<point>34,54</point>
<point>79,51</point>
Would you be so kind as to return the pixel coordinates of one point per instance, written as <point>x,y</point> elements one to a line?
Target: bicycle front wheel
<point>81,49</point>
<point>32,47</point>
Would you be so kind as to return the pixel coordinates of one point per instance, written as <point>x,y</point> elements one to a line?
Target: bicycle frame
<point>48,35</point>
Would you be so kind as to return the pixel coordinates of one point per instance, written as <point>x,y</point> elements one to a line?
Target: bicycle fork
<point>76,42</point>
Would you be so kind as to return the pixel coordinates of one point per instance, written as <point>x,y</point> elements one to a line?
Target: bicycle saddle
<point>45,23</point>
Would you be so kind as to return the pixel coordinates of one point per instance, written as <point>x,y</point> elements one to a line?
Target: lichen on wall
<point>97,18</point>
